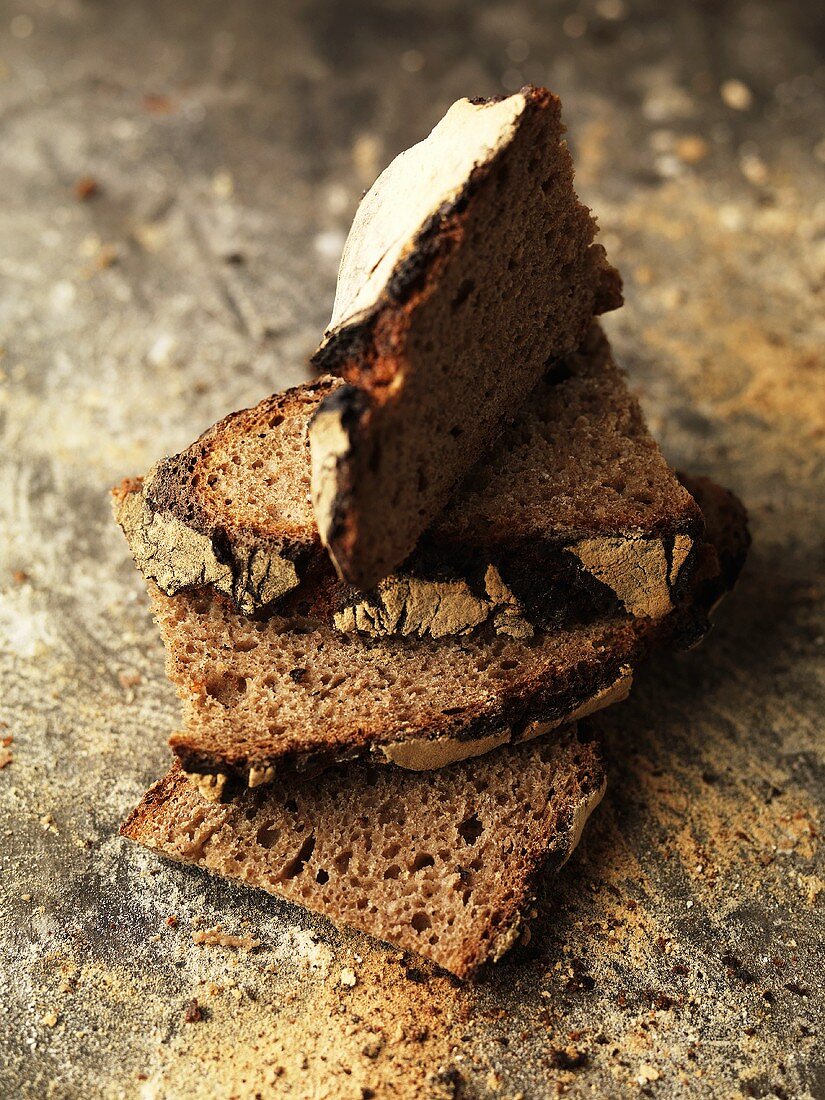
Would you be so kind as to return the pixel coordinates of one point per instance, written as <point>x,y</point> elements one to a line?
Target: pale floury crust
<point>636,569</point>
<point>414,606</point>
<point>177,557</point>
<point>424,754</point>
<point>414,187</point>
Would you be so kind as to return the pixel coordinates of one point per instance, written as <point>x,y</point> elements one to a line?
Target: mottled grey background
<point>679,954</point>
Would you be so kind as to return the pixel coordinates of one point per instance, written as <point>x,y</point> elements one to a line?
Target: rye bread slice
<point>443,863</point>
<point>573,515</point>
<point>262,698</point>
<point>470,267</point>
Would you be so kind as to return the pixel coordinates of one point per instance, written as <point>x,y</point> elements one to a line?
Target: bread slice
<point>574,514</point>
<point>261,698</point>
<point>443,863</point>
<point>470,266</point>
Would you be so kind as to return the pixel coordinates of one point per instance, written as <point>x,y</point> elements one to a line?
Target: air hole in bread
<point>322,876</point>
<point>225,688</point>
<point>421,921</point>
<point>470,829</point>
<point>295,866</point>
<point>342,862</point>
<point>392,872</point>
<point>422,860</point>
<point>267,836</point>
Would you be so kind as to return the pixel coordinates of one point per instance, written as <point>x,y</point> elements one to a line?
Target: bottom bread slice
<point>444,863</point>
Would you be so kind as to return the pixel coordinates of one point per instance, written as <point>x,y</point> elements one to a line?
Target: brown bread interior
<point>443,863</point>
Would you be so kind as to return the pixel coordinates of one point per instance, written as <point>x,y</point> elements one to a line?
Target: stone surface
<point>227,146</point>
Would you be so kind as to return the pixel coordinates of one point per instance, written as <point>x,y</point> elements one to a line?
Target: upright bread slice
<point>470,266</point>
<point>574,514</point>
<point>443,863</point>
<point>289,693</point>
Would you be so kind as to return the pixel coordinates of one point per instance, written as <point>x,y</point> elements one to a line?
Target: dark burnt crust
<point>728,535</point>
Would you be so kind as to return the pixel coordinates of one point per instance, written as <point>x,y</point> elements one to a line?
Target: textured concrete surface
<point>177,180</point>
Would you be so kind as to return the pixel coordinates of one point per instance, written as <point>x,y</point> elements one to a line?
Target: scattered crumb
<point>157,104</point>
<point>129,679</point>
<point>216,937</point>
<point>223,186</point>
<point>49,1018</point>
<point>348,977</point>
<point>172,920</point>
<point>193,1013</point>
<point>48,822</point>
<point>647,1074</point>
<point>86,188</point>
<point>105,256</point>
<point>20,576</point>
<point>736,95</point>
<point>6,758</point>
<point>691,149</point>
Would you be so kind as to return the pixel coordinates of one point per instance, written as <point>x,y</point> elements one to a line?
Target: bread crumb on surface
<point>49,1018</point>
<point>216,937</point>
<point>86,188</point>
<point>348,977</point>
<point>736,95</point>
<point>647,1074</point>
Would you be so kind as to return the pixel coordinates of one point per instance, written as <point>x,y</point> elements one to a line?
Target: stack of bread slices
<point>387,595</point>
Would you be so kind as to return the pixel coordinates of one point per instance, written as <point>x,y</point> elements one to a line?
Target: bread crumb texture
<point>454,889</point>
